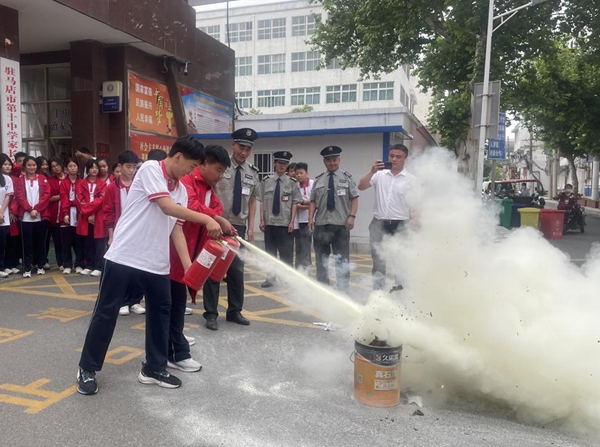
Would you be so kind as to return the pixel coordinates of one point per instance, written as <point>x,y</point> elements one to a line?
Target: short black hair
<point>90,164</point>
<point>302,165</point>
<point>55,159</point>
<point>115,166</point>
<point>213,153</point>
<point>290,167</point>
<point>84,150</point>
<point>157,154</point>
<point>189,147</point>
<point>99,159</point>
<point>127,157</point>
<point>400,147</point>
<point>20,154</point>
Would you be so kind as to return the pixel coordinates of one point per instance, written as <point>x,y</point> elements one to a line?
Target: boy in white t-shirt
<point>140,252</point>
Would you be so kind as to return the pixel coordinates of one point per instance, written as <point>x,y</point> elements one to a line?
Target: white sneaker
<point>8,271</point>
<point>41,271</point>
<point>78,270</point>
<point>15,271</point>
<point>47,266</point>
<point>67,271</point>
<point>26,274</point>
<point>189,311</point>
<point>138,309</point>
<point>85,272</point>
<point>124,310</point>
<point>191,340</point>
<point>187,365</point>
<point>61,268</point>
<point>96,273</point>
<point>3,274</point>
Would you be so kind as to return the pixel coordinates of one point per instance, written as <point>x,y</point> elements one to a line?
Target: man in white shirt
<point>390,209</point>
<point>302,236</point>
<point>155,210</point>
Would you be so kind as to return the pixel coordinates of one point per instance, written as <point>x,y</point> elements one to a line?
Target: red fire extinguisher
<point>204,264</point>
<point>231,248</point>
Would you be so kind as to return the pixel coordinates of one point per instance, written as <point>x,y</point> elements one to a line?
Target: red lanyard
<point>307,185</point>
<point>31,180</point>
<point>91,189</point>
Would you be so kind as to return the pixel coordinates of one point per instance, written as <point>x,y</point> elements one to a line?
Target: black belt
<point>390,222</point>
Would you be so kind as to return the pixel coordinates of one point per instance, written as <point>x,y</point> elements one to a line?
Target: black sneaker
<point>86,382</point>
<point>160,378</point>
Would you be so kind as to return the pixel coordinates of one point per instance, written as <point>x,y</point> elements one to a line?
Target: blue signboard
<point>111,104</point>
<point>496,146</point>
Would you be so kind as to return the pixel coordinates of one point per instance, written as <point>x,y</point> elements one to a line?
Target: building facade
<point>276,70</point>
<point>161,72</point>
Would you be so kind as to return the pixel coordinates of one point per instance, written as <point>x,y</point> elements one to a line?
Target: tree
<point>302,109</point>
<point>558,97</point>
<point>445,41</point>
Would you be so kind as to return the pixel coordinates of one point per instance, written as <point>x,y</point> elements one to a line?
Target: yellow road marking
<point>272,311</point>
<point>88,297</point>
<point>16,334</point>
<point>34,406</point>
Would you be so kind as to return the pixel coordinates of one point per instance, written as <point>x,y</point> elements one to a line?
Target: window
<point>307,95</point>
<point>333,64</point>
<point>271,29</point>
<point>244,99</point>
<point>240,32</point>
<point>271,98</point>
<point>378,91</point>
<point>264,163</point>
<point>271,63</point>
<point>243,66</point>
<point>305,61</point>
<point>213,31</point>
<point>403,97</point>
<point>303,25</point>
<point>341,93</point>
<point>46,110</point>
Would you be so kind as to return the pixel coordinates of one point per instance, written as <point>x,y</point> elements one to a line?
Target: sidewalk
<point>589,211</point>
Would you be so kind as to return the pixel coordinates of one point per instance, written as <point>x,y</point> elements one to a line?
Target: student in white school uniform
<point>6,192</point>
<point>32,193</point>
<point>302,236</point>
<point>155,196</point>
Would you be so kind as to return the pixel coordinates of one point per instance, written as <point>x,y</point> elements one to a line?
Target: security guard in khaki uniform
<point>333,207</point>
<point>238,190</point>
<point>279,199</point>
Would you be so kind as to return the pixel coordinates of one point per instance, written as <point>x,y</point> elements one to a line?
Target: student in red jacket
<point>201,198</point>
<point>14,244</point>
<point>113,204</point>
<point>57,175</point>
<point>91,231</point>
<point>103,173</point>
<point>6,195</point>
<point>32,194</point>
<point>68,219</point>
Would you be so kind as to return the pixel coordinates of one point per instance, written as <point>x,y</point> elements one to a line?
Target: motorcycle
<point>574,213</point>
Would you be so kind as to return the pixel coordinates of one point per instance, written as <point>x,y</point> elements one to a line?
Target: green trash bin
<point>505,212</point>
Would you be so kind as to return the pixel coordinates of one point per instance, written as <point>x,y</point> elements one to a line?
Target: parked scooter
<point>574,213</point>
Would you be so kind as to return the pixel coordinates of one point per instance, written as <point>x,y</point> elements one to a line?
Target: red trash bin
<point>552,223</point>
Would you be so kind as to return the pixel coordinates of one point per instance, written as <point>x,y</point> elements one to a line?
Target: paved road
<point>578,244</point>
<point>279,382</point>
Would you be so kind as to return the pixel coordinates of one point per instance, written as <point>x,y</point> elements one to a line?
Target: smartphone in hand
<point>386,165</point>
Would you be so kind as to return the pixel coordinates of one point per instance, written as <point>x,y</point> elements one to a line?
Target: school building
<point>108,75</point>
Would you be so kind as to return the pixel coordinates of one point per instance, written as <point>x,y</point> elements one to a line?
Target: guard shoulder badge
<point>255,168</point>
<point>320,175</point>
<point>347,174</point>
<point>293,179</point>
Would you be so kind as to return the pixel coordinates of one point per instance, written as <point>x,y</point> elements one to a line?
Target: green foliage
<point>254,112</point>
<point>444,40</point>
<point>303,109</point>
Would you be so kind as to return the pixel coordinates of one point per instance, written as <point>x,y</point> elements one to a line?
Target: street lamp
<point>504,17</point>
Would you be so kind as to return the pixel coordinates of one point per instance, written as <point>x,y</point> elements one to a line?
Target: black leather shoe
<point>212,324</point>
<point>238,319</point>
<point>266,284</point>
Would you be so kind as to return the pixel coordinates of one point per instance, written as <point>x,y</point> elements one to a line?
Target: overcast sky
<point>237,4</point>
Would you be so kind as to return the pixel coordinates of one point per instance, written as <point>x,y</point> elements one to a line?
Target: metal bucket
<point>377,374</point>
